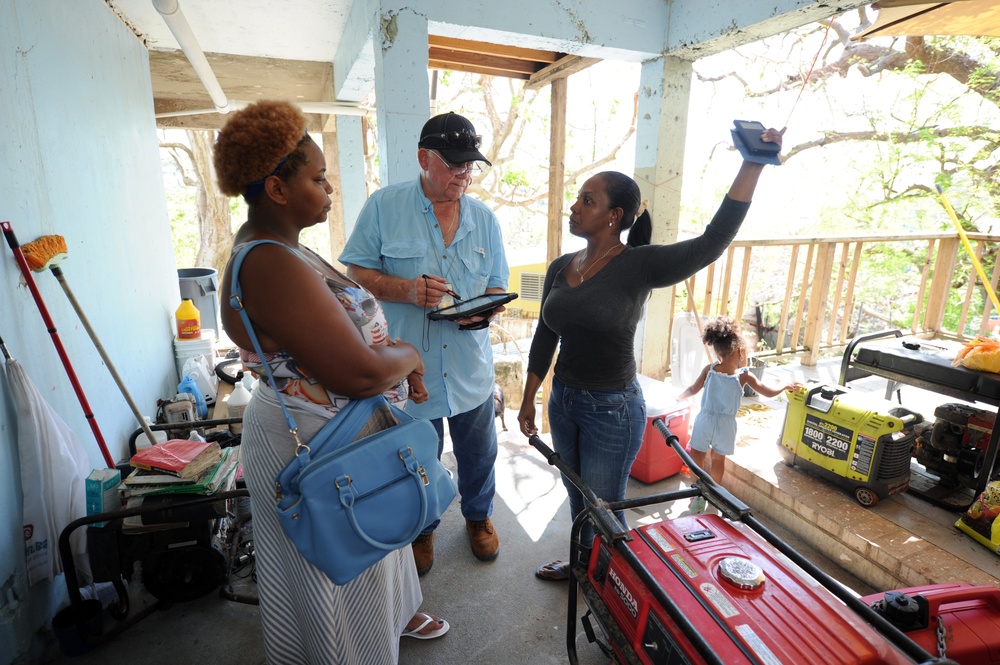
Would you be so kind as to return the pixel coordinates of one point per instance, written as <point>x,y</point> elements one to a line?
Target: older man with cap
<point>418,245</point>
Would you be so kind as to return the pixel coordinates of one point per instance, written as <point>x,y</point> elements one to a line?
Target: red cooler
<point>656,460</point>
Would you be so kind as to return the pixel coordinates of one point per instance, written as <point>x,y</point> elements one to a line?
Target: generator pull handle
<point>604,519</point>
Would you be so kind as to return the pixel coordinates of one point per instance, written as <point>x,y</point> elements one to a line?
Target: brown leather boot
<point>483,538</point>
<point>423,552</point>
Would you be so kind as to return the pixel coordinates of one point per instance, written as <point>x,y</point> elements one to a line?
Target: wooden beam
<point>557,174</point>
<point>924,280</point>
<point>779,343</point>
<point>439,58</point>
<point>512,52</point>
<point>818,301</point>
<point>944,271</point>
<point>473,69</point>
<point>335,218</point>
<point>560,69</point>
<point>557,169</point>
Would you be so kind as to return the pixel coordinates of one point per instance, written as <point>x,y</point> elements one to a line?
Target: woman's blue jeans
<point>597,434</point>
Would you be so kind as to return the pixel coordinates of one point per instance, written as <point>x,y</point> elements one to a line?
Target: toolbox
<point>854,440</point>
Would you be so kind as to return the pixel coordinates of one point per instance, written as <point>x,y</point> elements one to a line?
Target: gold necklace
<point>583,275</point>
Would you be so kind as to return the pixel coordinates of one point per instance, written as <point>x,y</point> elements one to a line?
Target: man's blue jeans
<point>474,443</point>
<point>597,434</point>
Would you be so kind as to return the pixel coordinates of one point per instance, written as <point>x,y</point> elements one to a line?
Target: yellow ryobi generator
<point>855,440</point>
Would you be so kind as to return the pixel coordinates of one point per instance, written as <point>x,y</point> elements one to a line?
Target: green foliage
<point>183,225</point>
<point>514,177</point>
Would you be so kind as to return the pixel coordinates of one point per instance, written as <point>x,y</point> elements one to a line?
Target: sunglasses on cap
<point>458,139</point>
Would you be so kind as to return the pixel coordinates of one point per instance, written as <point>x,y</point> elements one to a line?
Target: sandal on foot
<point>557,571</point>
<point>428,620</point>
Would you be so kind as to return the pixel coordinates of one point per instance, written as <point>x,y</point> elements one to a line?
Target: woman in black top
<point>591,303</point>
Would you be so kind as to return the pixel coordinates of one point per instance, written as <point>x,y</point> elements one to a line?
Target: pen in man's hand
<point>449,291</point>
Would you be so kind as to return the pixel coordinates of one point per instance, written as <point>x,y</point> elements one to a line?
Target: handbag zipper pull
<point>423,475</point>
<point>277,491</point>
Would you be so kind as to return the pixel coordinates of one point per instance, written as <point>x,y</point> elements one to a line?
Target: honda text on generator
<point>703,589</point>
<point>855,440</point>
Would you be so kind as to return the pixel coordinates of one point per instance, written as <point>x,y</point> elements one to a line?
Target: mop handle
<point>968,249</point>
<point>15,247</point>
<point>57,271</point>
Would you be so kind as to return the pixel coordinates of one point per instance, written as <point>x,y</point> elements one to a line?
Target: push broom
<point>22,263</point>
<point>968,249</point>
<point>47,252</point>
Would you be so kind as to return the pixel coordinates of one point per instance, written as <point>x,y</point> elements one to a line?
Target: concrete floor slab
<point>500,613</point>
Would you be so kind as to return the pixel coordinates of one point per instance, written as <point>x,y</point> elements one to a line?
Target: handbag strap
<point>236,302</point>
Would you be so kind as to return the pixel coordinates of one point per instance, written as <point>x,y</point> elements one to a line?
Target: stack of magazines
<point>182,469</point>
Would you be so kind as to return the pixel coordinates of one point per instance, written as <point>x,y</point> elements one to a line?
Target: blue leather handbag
<point>365,484</point>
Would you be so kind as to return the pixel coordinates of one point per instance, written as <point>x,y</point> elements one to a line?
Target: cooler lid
<point>659,397</point>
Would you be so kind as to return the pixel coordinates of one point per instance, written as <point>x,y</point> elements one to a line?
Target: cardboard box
<point>102,492</point>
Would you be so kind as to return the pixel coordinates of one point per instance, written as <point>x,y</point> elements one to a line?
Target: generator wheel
<point>865,496</point>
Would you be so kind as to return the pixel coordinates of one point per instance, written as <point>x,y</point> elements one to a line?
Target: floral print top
<point>294,382</point>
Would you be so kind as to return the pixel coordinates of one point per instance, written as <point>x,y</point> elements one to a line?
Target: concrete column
<point>401,91</point>
<point>664,92</point>
<point>335,218</point>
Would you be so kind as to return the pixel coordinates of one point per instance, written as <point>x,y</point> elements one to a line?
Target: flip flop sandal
<point>415,633</point>
<point>557,571</point>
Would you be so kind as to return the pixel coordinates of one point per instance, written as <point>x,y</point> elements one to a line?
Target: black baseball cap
<point>454,137</point>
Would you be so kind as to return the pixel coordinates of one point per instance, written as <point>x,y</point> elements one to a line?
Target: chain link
<point>941,632</point>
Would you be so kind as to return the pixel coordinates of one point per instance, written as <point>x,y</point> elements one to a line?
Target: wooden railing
<point>807,296</point>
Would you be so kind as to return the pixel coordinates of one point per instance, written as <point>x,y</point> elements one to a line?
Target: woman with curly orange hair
<point>325,340</point>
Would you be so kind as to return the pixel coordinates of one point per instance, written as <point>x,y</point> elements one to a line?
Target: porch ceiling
<point>286,53</point>
<point>176,86</point>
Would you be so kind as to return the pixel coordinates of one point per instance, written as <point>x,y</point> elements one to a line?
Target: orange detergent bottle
<point>188,320</point>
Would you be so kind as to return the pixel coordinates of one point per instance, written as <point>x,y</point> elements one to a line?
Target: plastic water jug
<point>237,404</point>
<point>143,441</point>
<point>188,385</point>
<point>198,368</point>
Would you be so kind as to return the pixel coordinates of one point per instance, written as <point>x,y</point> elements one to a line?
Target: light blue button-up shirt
<point>398,234</point>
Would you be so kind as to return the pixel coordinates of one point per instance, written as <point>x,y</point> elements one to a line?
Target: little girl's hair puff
<point>724,336</point>
<point>257,141</point>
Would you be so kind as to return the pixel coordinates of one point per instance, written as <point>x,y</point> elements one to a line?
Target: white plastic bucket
<point>185,349</point>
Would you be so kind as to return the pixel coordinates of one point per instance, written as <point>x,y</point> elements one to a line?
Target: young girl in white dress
<point>713,436</point>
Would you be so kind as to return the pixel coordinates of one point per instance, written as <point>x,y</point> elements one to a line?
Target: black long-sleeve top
<point>595,322</point>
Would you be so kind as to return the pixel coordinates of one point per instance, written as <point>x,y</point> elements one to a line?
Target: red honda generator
<point>703,589</point>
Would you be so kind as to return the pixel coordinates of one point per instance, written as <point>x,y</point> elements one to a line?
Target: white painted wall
<point>78,158</point>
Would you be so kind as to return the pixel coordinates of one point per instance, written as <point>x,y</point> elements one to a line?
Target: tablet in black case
<point>478,306</point>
